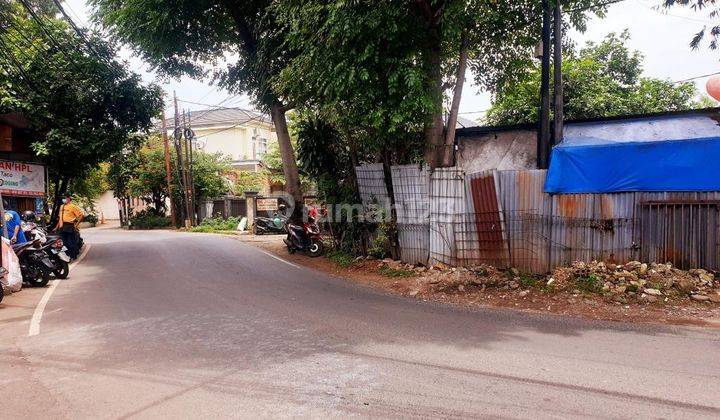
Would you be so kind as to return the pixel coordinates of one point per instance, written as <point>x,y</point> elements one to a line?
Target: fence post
<point>226,207</point>
<point>250,203</point>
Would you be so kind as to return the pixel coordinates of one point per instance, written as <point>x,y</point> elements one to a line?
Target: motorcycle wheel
<point>315,249</point>
<point>63,271</point>
<point>42,281</point>
<point>257,231</point>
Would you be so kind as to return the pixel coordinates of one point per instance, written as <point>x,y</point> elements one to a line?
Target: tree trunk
<point>60,189</point>
<point>290,169</point>
<point>543,145</point>
<point>558,80</point>
<point>455,107</point>
<point>434,141</point>
<point>392,232</point>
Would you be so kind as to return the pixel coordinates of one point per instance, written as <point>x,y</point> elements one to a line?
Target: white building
<point>243,135</point>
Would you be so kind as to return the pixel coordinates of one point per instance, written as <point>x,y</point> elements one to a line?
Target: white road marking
<point>279,259</point>
<point>40,308</point>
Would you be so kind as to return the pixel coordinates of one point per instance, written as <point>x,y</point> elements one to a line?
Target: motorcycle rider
<point>12,223</point>
<point>68,221</point>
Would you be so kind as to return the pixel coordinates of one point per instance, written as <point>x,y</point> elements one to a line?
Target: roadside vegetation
<point>217,225</point>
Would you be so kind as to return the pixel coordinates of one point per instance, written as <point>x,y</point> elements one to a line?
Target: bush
<point>145,220</point>
<point>91,218</point>
<point>589,284</point>
<point>216,224</point>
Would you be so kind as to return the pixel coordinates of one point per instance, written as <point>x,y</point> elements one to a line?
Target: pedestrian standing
<point>70,217</point>
<point>12,223</point>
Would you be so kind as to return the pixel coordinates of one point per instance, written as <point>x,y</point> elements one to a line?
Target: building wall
<point>108,206</point>
<point>673,127</point>
<point>235,142</point>
<point>515,149</point>
<point>504,150</point>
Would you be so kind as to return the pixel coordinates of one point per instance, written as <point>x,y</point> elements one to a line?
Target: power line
<point>217,106</point>
<point>665,13</point>
<point>689,79</point>
<point>49,35</point>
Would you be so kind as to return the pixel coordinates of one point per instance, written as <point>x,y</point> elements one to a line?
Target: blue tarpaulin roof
<point>672,165</point>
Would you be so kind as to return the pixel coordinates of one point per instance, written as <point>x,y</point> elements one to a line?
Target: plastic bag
<point>10,262</point>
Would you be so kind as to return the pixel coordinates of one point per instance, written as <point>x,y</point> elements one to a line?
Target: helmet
<point>28,216</point>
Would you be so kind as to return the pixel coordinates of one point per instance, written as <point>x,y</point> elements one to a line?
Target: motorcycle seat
<point>22,246</point>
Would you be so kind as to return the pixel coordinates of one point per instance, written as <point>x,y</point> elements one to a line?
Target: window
<point>261,147</point>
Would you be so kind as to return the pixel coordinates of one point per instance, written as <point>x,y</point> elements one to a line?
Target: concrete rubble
<point>623,283</point>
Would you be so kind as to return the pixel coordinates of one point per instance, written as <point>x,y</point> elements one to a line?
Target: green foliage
<point>381,243</point>
<point>148,220</point>
<point>527,280</point>
<point>91,218</point>
<point>208,170</point>
<point>248,181</point>
<point>600,80</point>
<point>217,224</point>
<point>343,259</point>
<point>140,172</point>
<point>395,272</point>
<point>83,104</point>
<point>590,284</point>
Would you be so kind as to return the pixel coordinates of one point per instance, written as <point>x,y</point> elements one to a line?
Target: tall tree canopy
<point>188,36</point>
<point>82,104</point>
<point>600,80</point>
<point>386,65</point>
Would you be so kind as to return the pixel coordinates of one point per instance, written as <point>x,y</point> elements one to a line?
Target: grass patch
<point>528,280</point>
<point>343,259</point>
<point>590,284</point>
<point>395,272</point>
<point>217,224</point>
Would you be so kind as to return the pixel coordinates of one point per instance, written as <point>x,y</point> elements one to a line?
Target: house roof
<point>481,130</point>
<point>222,117</point>
<point>463,122</point>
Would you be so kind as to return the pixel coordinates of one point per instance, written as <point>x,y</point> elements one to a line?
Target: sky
<point>662,37</point>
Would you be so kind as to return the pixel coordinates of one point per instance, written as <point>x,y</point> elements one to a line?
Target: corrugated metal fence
<point>505,219</point>
<point>411,185</point>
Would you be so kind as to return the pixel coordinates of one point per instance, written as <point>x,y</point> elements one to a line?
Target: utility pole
<point>186,174</point>
<point>558,82</point>
<point>191,139</point>
<point>178,149</point>
<point>168,169</point>
<point>543,144</point>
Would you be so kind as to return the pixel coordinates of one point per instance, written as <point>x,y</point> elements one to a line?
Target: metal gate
<point>683,233</point>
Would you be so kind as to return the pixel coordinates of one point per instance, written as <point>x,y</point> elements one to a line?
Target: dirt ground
<point>445,288</point>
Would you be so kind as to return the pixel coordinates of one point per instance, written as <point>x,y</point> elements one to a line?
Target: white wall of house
<point>107,205</point>
<point>242,143</point>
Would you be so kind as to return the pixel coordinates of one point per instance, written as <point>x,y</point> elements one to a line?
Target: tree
<point>600,80</point>
<point>383,67</point>
<point>83,105</point>
<point>140,172</point>
<point>180,36</point>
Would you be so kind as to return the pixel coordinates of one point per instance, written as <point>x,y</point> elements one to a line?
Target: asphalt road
<point>168,325</point>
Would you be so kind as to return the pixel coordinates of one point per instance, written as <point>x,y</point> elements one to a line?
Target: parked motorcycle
<point>35,263</point>
<point>275,224</point>
<point>34,231</point>
<point>305,238</point>
<point>58,255</point>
